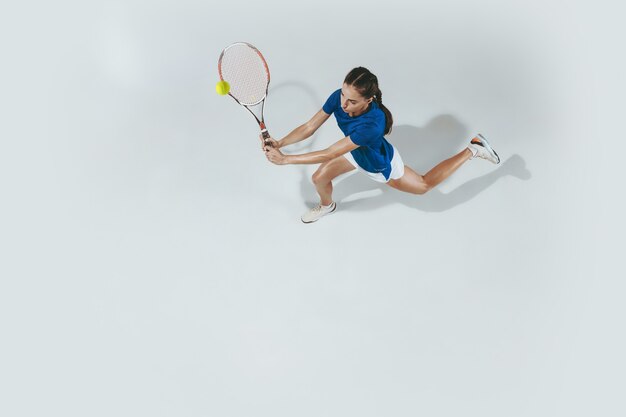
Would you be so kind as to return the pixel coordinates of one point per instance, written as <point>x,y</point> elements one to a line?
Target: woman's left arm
<point>337,149</point>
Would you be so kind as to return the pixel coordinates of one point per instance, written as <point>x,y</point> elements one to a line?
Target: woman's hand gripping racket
<point>243,67</point>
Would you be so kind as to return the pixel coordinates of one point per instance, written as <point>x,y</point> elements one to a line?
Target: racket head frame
<point>260,120</point>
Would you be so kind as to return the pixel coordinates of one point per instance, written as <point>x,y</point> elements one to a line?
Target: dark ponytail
<point>366,84</point>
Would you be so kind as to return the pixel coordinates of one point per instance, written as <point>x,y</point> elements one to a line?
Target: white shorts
<point>397,167</point>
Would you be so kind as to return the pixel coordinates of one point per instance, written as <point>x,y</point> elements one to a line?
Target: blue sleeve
<point>366,134</point>
<point>332,103</point>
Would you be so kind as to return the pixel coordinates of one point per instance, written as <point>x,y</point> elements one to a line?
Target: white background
<point>153,263</point>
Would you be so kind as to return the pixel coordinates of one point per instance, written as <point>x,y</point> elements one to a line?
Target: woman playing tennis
<point>364,120</point>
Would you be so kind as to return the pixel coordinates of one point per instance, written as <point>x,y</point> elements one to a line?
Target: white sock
<point>328,206</point>
<point>473,150</point>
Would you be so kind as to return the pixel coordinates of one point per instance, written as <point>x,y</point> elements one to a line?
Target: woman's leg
<point>322,178</point>
<point>412,182</point>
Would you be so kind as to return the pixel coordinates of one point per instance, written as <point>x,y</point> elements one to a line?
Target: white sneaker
<point>480,148</point>
<point>317,212</point>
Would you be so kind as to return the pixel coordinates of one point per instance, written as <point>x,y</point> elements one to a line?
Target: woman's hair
<point>366,84</point>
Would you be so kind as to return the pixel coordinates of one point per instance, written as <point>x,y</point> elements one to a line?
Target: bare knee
<point>418,189</point>
<point>423,189</point>
<point>318,177</point>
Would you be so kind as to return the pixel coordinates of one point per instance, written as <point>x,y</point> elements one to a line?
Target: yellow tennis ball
<point>222,88</point>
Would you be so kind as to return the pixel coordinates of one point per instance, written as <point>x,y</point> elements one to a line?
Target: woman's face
<point>352,102</point>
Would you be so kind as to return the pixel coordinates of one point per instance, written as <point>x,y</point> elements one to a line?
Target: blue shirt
<point>366,130</point>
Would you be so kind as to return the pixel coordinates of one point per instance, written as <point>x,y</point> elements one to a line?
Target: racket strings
<point>245,71</point>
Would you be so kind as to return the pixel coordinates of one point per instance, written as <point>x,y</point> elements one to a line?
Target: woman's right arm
<point>306,130</point>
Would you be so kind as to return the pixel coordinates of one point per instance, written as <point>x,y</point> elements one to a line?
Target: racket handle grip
<point>265,134</point>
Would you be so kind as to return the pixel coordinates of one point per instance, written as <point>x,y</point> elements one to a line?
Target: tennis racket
<point>243,67</point>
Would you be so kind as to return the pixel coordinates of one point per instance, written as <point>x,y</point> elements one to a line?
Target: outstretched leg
<point>412,182</point>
